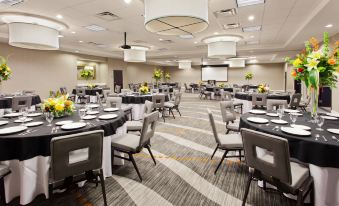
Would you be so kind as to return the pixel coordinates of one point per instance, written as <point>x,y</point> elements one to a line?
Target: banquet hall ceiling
<point>286,24</point>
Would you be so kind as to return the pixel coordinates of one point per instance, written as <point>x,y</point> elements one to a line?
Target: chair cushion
<point>230,141</point>
<point>127,142</point>
<point>4,169</point>
<point>133,125</point>
<point>233,126</point>
<point>299,172</point>
<point>168,104</point>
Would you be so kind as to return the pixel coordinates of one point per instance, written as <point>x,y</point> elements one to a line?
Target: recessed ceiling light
<point>231,26</point>
<point>60,36</point>
<point>242,3</point>
<point>252,57</point>
<point>160,39</point>
<point>76,51</point>
<point>128,1</point>
<point>195,42</point>
<point>251,28</point>
<point>216,33</point>
<point>251,18</point>
<point>329,25</point>
<point>226,12</point>
<point>80,41</point>
<point>251,36</point>
<point>59,16</point>
<point>187,36</point>
<point>73,32</point>
<point>94,27</point>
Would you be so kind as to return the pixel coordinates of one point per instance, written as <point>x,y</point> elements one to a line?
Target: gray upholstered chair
<point>229,116</point>
<point>117,102</point>
<point>75,158</point>
<point>4,171</point>
<point>187,88</point>
<point>275,167</point>
<point>228,143</point>
<point>20,102</point>
<point>174,105</point>
<point>216,91</point>
<point>236,90</point>
<point>259,100</point>
<point>225,95</point>
<point>205,93</point>
<point>295,101</point>
<point>81,94</point>
<point>133,144</point>
<point>273,104</point>
<point>133,126</point>
<point>304,105</point>
<point>159,104</point>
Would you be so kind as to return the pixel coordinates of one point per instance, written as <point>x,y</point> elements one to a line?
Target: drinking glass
<point>49,118</point>
<point>280,113</point>
<point>293,117</point>
<point>320,122</point>
<point>82,113</point>
<point>23,117</point>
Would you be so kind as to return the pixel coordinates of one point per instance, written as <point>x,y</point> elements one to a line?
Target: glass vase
<point>314,93</point>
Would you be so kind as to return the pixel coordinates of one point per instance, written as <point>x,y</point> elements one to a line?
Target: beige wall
<point>335,91</point>
<point>272,74</point>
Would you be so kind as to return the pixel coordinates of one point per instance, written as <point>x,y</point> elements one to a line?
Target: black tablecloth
<point>305,149</point>
<point>135,99</point>
<point>170,90</point>
<point>211,89</point>
<point>38,143</point>
<point>248,97</point>
<point>6,102</point>
<point>170,84</point>
<point>91,92</point>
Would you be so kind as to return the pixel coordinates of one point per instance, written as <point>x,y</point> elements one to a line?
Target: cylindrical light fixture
<point>222,46</point>
<point>135,54</point>
<point>185,64</point>
<point>32,31</point>
<point>176,17</point>
<point>237,62</point>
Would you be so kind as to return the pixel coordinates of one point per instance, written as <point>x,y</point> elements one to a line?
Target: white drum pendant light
<point>32,31</point>
<point>135,54</point>
<point>176,17</point>
<point>223,46</point>
<point>185,64</point>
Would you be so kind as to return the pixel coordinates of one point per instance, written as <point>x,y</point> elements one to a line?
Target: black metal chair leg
<point>171,110</point>
<point>247,189</point>
<point>178,111</point>
<point>214,151</point>
<point>2,191</point>
<point>102,182</point>
<point>135,165</point>
<point>150,152</point>
<point>240,155</point>
<point>222,159</point>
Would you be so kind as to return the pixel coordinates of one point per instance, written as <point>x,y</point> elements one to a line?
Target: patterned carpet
<point>184,174</point>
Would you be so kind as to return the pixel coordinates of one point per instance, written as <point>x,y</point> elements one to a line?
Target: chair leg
<point>240,155</point>
<point>178,111</point>
<point>50,194</point>
<point>247,189</point>
<point>150,152</point>
<point>135,165</point>
<point>2,191</point>
<point>171,110</point>
<point>102,182</point>
<point>222,159</point>
<point>214,151</point>
<point>227,131</point>
<point>300,199</point>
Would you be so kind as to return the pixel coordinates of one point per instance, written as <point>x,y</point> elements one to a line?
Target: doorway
<point>117,78</point>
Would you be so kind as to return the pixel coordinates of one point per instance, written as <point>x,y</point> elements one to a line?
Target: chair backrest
<point>105,93</point>
<point>214,129</point>
<point>64,149</point>
<point>273,104</point>
<point>177,99</point>
<point>114,102</point>
<point>98,98</point>
<point>225,95</point>
<point>158,100</point>
<point>227,111</point>
<point>259,99</point>
<point>148,128</point>
<point>21,102</point>
<point>185,86</point>
<point>279,166</point>
<point>295,100</point>
<point>125,91</point>
<point>148,107</point>
<point>236,89</point>
<point>117,89</point>
<point>63,90</point>
<point>165,90</point>
<point>216,90</point>
<point>80,91</point>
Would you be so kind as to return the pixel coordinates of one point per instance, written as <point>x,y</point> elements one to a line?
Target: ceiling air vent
<point>107,16</point>
<point>162,49</point>
<point>225,13</point>
<point>231,26</point>
<point>167,41</point>
<point>139,42</point>
<point>11,2</point>
<point>96,44</point>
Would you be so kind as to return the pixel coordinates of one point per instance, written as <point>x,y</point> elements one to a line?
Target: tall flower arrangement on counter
<point>59,105</point>
<point>167,76</point>
<point>157,75</point>
<point>249,76</point>
<point>316,67</point>
<point>5,71</point>
<point>263,88</point>
<point>87,74</point>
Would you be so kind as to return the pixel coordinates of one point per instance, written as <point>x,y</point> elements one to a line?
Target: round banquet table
<point>6,102</point>
<point>137,102</point>
<point>211,89</point>
<point>246,99</point>
<point>91,93</point>
<point>170,89</point>
<point>28,155</point>
<point>322,156</point>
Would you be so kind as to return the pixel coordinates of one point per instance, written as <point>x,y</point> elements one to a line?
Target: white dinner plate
<point>34,114</point>
<point>329,117</point>
<point>295,131</point>
<point>26,120</point>
<point>299,126</point>
<point>3,123</point>
<point>279,121</point>
<point>63,122</point>
<point>257,120</point>
<point>334,131</point>
<point>272,114</point>
<point>89,117</point>
<point>34,124</point>
<point>75,125</point>
<point>12,115</point>
<point>332,115</point>
<point>256,111</point>
<point>108,116</point>
<point>111,109</point>
<point>93,106</point>
<point>291,111</point>
<point>12,130</point>
<point>92,112</point>
<point>297,114</point>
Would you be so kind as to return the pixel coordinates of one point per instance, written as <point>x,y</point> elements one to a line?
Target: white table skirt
<point>137,111</point>
<point>29,178</point>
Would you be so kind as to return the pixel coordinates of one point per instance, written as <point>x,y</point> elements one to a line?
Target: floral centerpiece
<point>143,90</point>
<point>87,74</point>
<point>263,88</point>
<point>58,105</point>
<point>248,76</point>
<point>316,67</point>
<point>157,75</point>
<point>90,86</point>
<point>5,71</point>
<point>222,85</point>
<point>167,76</point>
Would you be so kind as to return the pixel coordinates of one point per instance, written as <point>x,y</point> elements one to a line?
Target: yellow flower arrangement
<point>263,88</point>
<point>59,105</point>
<point>143,90</point>
<point>5,71</point>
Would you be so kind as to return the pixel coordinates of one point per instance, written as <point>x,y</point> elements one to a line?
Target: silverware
<point>53,129</point>
<point>25,132</point>
<point>56,129</point>
<point>324,138</point>
<point>316,137</point>
<point>333,137</point>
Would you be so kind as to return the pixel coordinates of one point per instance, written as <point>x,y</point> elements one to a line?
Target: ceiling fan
<point>125,46</point>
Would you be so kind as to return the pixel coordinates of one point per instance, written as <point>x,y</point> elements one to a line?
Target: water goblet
<point>49,118</point>
<point>293,117</point>
<point>82,113</point>
<point>24,114</point>
<point>280,113</point>
<point>320,122</point>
